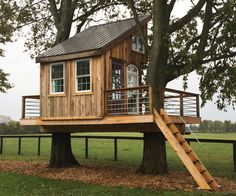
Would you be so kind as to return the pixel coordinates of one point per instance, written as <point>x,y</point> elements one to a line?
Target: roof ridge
<point>112,22</point>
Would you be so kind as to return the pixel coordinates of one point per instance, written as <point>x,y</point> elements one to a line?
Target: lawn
<point>30,185</point>
<point>216,157</point>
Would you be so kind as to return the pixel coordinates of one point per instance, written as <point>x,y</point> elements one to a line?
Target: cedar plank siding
<point>71,103</point>
<point>122,51</point>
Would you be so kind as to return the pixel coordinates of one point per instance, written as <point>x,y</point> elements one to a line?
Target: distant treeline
<point>13,127</point>
<point>214,126</point>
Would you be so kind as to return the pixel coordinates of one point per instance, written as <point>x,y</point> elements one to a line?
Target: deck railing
<point>30,106</point>
<point>181,103</point>
<point>125,101</point>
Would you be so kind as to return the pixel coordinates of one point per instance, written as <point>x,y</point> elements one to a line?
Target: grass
<point>216,157</point>
<point>30,185</point>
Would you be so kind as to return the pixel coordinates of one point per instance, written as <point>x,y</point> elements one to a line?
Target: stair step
<point>209,182</point>
<point>189,151</point>
<point>203,171</point>
<point>169,124</point>
<point>175,133</point>
<point>181,142</point>
<point>195,161</point>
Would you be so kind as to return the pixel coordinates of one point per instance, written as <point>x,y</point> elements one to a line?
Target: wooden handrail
<point>127,89</point>
<point>178,92</point>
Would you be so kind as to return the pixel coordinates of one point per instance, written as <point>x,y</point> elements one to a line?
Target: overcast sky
<point>24,74</point>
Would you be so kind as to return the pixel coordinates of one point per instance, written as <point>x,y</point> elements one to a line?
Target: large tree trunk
<point>61,153</point>
<point>154,155</point>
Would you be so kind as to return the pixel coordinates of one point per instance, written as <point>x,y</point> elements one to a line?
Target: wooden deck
<point>127,109</point>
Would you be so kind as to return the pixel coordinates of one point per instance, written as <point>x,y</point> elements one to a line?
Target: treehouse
<point>92,83</point>
<point>94,79</point>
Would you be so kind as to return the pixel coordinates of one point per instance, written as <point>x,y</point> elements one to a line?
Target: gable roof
<point>93,38</point>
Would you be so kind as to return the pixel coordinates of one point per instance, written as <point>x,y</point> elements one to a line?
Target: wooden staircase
<point>185,152</point>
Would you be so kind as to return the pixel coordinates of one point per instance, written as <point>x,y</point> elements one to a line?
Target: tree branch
<point>188,17</point>
<point>54,12</point>
<point>205,31</point>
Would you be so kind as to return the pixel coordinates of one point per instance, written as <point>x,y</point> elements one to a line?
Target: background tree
<point>6,32</point>
<point>203,40</point>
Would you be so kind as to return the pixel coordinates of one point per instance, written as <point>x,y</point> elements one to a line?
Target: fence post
<point>234,155</point>
<point>115,149</point>
<point>19,145</point>
<point>86,147</point>
<point>39,143</point>
<point>1,145</point>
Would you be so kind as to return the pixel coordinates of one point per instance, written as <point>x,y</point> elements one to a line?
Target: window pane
<point>83,83</point>
<point>134,43</point>
<point>57,86</point>
<point>83,67</point>
<point>56,71</point>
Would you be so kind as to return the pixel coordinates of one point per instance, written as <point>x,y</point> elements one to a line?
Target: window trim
<point>57,93</point>
<point>90,75</point>
<point>138,45</point>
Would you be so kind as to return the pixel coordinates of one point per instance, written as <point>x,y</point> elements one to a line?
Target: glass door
<point>118,97</point>
<point>133,95</point>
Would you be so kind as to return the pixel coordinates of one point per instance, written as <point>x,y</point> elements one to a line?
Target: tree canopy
<point>203,40</point>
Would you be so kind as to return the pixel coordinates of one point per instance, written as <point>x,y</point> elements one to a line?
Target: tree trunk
<point>61,153</point>
<point>154,155</point>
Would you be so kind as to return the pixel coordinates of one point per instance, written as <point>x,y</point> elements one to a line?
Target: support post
<point>181,104</point>
<point>1,145</point>
<point>197,106</point>
<point>19,145</point>
<point>39,145</point>
<point>115,149</point>
<point>234,155</point>
<point>23,108</point>
<point>86,147</point>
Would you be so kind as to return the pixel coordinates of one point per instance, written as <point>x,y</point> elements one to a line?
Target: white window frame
<point>76,77</point>
<point>138,44</point>
<point>58,63</point>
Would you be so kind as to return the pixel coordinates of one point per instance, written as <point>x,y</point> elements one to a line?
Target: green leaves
<point>4,84</point>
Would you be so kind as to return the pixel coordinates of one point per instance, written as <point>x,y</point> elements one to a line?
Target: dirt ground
<point>112,176</point>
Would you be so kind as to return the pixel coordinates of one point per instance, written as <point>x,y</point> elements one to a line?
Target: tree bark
<point>61,153</point>
<point>154,155</point>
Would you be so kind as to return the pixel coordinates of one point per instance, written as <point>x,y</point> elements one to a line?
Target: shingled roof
<point>95,37</point>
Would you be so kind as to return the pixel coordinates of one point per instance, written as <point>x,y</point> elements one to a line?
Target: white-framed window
<point>83,75</point>
<point>57,78</point>
<point>137,44</point>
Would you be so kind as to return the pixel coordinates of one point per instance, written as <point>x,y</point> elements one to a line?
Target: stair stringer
<point>180,152</point>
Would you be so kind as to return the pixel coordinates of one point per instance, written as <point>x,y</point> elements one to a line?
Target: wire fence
<point>217,155</point>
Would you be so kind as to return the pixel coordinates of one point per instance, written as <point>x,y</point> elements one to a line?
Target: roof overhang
<point>63,57</point>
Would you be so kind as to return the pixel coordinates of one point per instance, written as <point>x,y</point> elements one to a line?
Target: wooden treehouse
<point>91,83</point>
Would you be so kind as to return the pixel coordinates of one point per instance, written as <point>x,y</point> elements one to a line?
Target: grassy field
<point>216,157</point>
